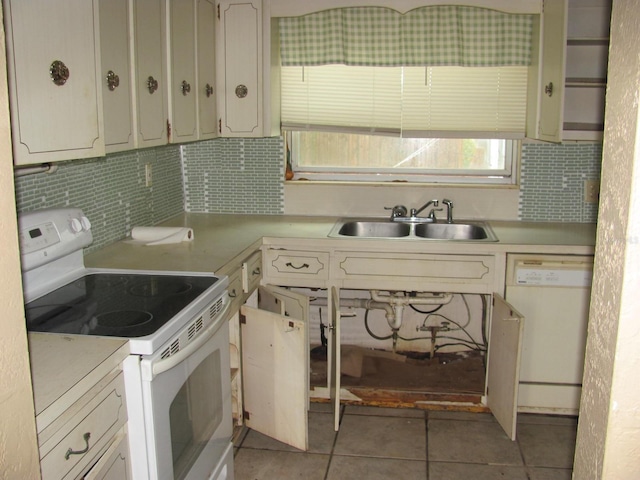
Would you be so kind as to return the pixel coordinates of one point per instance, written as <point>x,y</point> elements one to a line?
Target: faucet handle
<point>449,205</point>
<point>397,211</point>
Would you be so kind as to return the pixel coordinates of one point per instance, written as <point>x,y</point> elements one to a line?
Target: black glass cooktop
<point>115,305</point>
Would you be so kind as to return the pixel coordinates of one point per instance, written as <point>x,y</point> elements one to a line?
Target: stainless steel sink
<point>384,228</point>
<point>454,231</point>
<point>374,229</point>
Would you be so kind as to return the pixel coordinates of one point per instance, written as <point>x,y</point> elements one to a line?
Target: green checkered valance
<point>428,36</point>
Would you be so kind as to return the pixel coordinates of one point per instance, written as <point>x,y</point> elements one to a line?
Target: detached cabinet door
<point>275,365</point>
<point>505,344</point>
<point>334,357</point>
<point>239,44</point>
<point>53,69</point>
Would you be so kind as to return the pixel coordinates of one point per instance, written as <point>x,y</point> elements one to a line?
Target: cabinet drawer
<point>251,272</point>
<point>235,291</point>
<point>439,273</point>
<point>114,464</point>
<point>101,418</point>
<point>286,266</point>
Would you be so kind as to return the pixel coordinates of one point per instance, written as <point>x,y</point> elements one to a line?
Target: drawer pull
<point>291,265</point>
<point>233,293</point>
<point>79,452</point>
<point>256,271</point>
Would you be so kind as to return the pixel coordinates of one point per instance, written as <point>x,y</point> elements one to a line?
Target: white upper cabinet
<point>151,72</point>
<point>53,69</point>
<point>546,76</point>
<point>239,59</point>
<point>206,47</point>
<point>182,87</point>
<point>116,75</point>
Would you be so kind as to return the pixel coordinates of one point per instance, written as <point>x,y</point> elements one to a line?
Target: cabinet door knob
<point>185,88</point>
<point>548,89</point>
<point>59,72</point>
<point>152,84</point>
<point>208,89</point>
<point>241,91</point>
<point>113,80</point>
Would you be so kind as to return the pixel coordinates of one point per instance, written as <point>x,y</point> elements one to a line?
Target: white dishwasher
<point>552,292</point>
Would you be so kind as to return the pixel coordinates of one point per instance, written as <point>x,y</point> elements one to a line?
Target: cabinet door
<point>334,357</point>
<point>53,70</point>
<point>239,44</point>
<point>183,71</point>
<point>207,114</point>
<point>151,74</point>
<point>505,344</point>
<point>275,358</point>
<point>114,463</point>
<point>546,81</point>
<point>116,78</point>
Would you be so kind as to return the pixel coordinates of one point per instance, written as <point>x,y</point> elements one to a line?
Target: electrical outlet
<point>148,177</point>
<point>591,191</point>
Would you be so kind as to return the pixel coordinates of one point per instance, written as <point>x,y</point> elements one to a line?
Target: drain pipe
<point>393,304</point>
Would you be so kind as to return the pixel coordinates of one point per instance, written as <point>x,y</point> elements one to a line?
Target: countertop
<point>220,238</point>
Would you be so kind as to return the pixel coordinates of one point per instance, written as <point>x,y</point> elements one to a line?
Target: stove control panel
<point>47,235</point>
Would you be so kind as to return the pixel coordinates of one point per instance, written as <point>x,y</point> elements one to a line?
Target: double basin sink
<point>387,229</point>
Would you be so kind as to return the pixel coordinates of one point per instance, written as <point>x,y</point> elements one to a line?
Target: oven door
<point>187,408</point>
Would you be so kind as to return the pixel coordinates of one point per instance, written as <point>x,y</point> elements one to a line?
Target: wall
<point>608,438</point>
<point>18,442</point>
<point>110,190</point>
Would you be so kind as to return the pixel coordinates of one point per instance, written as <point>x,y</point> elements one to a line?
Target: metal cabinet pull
<point>152,84</point>
<point>291,265</point>
<point>208,90</point>
<point>256,271</point>
<point>548,89</point>
<point>233,293</point>
<point>241,91</point>
<point>113,80</point>
<point>79,452</point>
<point>59,72</point>
<point>185,87</point>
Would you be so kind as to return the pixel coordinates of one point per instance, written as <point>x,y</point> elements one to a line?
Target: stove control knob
<point>86,224</point>
<point>75,225</point>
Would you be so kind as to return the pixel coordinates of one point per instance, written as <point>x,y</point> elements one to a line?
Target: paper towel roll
<point>161,235</point>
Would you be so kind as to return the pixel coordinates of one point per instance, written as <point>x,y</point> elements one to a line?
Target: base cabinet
<point>114,464</point>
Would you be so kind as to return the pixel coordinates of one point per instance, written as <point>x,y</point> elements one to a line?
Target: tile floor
<point>385,443</point>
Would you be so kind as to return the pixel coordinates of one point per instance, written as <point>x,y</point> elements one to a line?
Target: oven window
<point>195,414</point>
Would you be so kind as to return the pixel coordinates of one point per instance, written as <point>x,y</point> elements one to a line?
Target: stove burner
<point>160,287</point>
<point>123,319</point>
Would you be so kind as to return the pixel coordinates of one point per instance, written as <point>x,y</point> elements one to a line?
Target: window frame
<point>506,177</point>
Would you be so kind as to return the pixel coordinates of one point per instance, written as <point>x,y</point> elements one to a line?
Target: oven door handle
<point>173,360</point>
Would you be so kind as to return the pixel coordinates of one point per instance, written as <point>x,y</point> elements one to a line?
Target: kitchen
<point>144,206</point>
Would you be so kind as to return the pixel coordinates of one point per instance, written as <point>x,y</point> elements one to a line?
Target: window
<point>328,156</point>
<point>435,95</point>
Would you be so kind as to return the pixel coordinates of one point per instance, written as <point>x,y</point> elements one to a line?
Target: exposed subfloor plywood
<point>380,377</point>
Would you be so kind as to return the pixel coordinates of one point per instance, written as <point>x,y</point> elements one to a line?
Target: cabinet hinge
<point>219,125</point>
<point>218,11</point>
<point>246,415</point>
<point>243,319</point>
<point>168,131</point>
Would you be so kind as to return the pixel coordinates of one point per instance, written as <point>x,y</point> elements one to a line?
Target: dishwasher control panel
<point>548,276</point>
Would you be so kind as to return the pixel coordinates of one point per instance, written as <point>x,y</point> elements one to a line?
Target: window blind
<point>479,102</point>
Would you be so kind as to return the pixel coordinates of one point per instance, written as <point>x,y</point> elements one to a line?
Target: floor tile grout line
<point>426,442</point>
<point>333,445</point>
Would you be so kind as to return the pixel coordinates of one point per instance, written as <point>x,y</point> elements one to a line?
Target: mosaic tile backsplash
<point>246,176</point>
<point>552,182</point>
<point>235,175</point>
<point>110,190</point>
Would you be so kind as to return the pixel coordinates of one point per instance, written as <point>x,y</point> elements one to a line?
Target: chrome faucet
<point>434,202</point>
<point>449,205</point>
<point>397,211</point>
